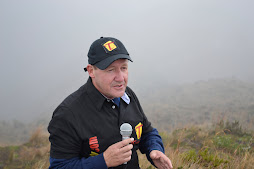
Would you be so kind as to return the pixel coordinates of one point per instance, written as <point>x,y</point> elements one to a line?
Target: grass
<point>31,155</point>
<point>223,145</point>
<point>208,147</point>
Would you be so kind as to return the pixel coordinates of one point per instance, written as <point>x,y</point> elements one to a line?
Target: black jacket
<point>86,124</point>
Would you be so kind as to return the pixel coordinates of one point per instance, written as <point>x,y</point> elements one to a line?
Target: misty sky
<point>44,45</point>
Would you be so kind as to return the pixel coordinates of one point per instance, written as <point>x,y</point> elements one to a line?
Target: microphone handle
<point>124,138</point>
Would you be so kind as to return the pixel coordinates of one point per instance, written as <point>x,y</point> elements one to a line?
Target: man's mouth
<point>118,86</point>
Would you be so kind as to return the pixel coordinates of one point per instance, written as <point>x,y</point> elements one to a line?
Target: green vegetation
<point>204,158</point>
<point>31,155</point>
<point>209,147</point>
<point>191,147</point>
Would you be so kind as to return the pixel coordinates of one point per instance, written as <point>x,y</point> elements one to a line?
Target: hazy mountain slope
<point>172,106</point>
<point>205,101</point>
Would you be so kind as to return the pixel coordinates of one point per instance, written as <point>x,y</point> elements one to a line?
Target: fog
<point>44,45</point>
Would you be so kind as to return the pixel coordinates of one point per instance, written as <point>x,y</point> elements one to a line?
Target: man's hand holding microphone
<point>120,152</point>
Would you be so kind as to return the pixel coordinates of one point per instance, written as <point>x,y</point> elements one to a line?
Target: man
<point>85,127</point>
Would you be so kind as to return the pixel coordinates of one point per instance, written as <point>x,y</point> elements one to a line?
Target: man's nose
<point>119,76</point>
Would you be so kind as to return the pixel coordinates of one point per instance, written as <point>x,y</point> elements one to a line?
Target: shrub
<point>204,158</point>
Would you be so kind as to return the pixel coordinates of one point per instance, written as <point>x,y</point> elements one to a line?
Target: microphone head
<point>125,130</point>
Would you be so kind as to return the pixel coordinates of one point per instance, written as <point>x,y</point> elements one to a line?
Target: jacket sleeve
<point>96,162</point>
<point>64,134</point>
<point>151,141</point>
<point>66,144</point>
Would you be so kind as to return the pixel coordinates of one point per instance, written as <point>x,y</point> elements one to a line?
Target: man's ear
<point>90,70</point>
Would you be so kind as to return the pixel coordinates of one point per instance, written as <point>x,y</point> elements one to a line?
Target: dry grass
<point>245,161</point>
<point>32,155</point>
<point>188,148</point>
<point>195,147</point>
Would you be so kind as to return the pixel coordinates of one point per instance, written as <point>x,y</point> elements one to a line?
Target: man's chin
<point>119,94</point>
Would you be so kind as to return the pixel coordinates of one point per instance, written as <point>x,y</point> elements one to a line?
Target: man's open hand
<point>160,160</point>
<point>118,153</point>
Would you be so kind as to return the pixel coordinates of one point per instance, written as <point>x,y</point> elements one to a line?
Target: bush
<point>204,158</point>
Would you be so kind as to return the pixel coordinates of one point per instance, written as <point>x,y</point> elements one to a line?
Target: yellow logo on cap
<point>138,129</point>
<point>109,45</point>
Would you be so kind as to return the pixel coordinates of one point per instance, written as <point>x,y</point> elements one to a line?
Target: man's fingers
<point>118,153</point>
<point>127,153</point>
<point>126,148</point>
<point>124,142</point>
<point>160,160</point>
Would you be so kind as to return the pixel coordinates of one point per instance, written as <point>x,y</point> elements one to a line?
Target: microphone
<point>125,131</point>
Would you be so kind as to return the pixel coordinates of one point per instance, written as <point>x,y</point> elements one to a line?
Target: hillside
<point>223,145</point>
<point>209,124</point>
<point>169,107</point>
<point>34,154</point>
<point>16,132</point>
<point>204,102</point>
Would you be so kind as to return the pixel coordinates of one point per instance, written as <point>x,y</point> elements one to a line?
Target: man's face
<point>112,81</point>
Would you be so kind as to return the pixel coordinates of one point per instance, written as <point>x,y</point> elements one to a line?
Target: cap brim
<point>106,62</point>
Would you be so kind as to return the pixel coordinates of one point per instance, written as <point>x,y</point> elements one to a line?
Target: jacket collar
<point>94,94</point>
<point>99,98</point>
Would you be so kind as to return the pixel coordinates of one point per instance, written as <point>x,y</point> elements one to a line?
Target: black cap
<point>105,51</point>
